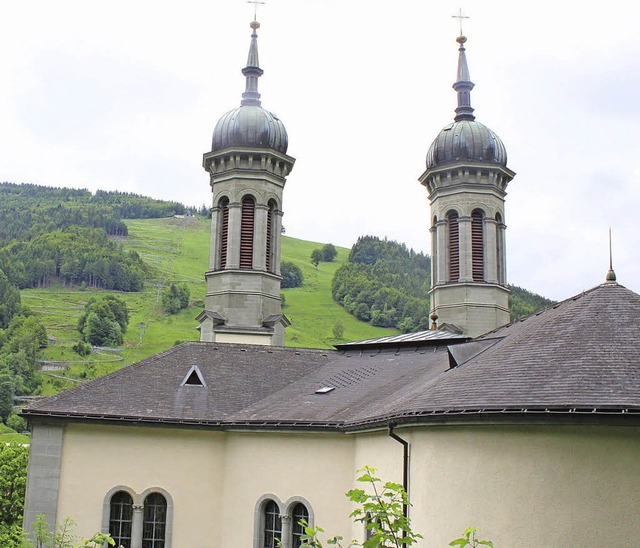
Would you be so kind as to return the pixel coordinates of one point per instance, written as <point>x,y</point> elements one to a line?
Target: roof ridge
<point>554,306</point>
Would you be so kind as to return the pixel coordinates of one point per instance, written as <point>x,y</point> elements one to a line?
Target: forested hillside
<point>63,234</point>
<point>59,235</point>
<point>28,210</point>
<point>386,284</point>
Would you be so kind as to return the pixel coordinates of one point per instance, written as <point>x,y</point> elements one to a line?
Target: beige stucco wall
<point>189,464</point>
<point>525,487</point>
<point>214,478</point>
<point>528,487</point>
<point>316,467</point>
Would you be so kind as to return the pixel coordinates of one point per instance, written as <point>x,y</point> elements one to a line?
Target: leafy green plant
<point>329,252</point>
<point>13,482</point>
<point>291,275</point>
<point>469,539</point>
<point>380,508</point>
<point>64,536</point>
<point>316,257</point>
<point>338,329</point>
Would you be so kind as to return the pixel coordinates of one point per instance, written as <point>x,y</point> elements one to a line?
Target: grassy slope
<point>178,249</point>
<point>7,435</point>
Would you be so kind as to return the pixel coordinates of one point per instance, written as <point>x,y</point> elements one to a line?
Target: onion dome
<point>465,140</point>
<point>250,125</point>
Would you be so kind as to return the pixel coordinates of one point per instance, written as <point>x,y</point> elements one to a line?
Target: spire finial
<point>463,85</point>
<point>434,321</point>
<point>611,275</point>
<point>252,71</point>
<point>255,9</point>
<point>460,17</point>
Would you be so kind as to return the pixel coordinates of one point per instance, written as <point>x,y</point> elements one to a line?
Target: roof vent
<point>193,378</point>
<point>325,389</point>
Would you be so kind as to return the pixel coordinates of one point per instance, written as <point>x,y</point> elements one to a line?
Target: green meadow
<point>7,435</point>
<point>178,251</point>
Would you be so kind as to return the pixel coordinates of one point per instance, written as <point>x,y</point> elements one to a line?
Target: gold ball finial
<point>254,25</point>
<point>434,321</point>
<point>461,39</point>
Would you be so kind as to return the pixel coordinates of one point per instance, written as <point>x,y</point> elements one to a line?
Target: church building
<point>528,430</point>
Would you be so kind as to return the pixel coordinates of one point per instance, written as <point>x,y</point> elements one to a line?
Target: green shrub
<point>291,275</point>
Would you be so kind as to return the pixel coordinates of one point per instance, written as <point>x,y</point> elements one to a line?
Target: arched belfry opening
<point>270,244</point>
<point>477,245</point>
<point>247,226</point>
<point>453,245</point>
<point>466,178</point>
<point>223,232</point>
<point>247,166</point>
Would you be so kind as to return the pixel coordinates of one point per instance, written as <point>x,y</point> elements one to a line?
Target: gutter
<point>405,469</point>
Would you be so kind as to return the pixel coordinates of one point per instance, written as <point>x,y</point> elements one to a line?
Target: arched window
<point>371,527</point>
<point>155,521</point>
<point>454,246</point>
<point>477,245</point>
<point>270,236</point>
<point>223,232</point>
<point>299,512</point>
<point>246,232</point>
<point>121,518</point>
<point>272,525</point>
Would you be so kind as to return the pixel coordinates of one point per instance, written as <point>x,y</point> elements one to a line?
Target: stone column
<point>286,531</point>
<point>441,244</point>
<point>466,271</point>
<point>136,526</point>
<point>260,238</point>
<point>233,237</point>
<point>434,255</point>
<point>277,237</point>
<point>491,250</point>
<point>502,255</point>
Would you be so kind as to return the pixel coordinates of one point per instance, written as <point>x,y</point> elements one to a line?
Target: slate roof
<point>582,356</point>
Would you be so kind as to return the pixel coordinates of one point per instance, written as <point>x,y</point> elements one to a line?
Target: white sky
<point>125,94</point>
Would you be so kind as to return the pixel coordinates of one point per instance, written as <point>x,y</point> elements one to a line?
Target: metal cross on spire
<point>255,8</point>
<point>460,17</point>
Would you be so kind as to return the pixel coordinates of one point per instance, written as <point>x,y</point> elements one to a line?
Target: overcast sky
<point>124,95</point>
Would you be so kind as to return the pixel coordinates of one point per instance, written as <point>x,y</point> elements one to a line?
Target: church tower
<point>248,166</point>
<point>467,177</point>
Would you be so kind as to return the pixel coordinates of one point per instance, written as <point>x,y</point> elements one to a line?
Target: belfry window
<point>299,513</point>
<point>246,232</point>
<point>223,232</point>
<point>121,518</point>
<point>272,525</point>
<point>155,521</point>
<point>454,246</point>
<point>270,263</point>
<point>477,245</point>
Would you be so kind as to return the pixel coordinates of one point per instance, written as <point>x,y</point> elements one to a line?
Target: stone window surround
<point>286,512</point>
<point>138,515</point>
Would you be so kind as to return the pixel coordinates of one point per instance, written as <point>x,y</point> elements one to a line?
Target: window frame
<point>138,513</point>
<point>119,538</point>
